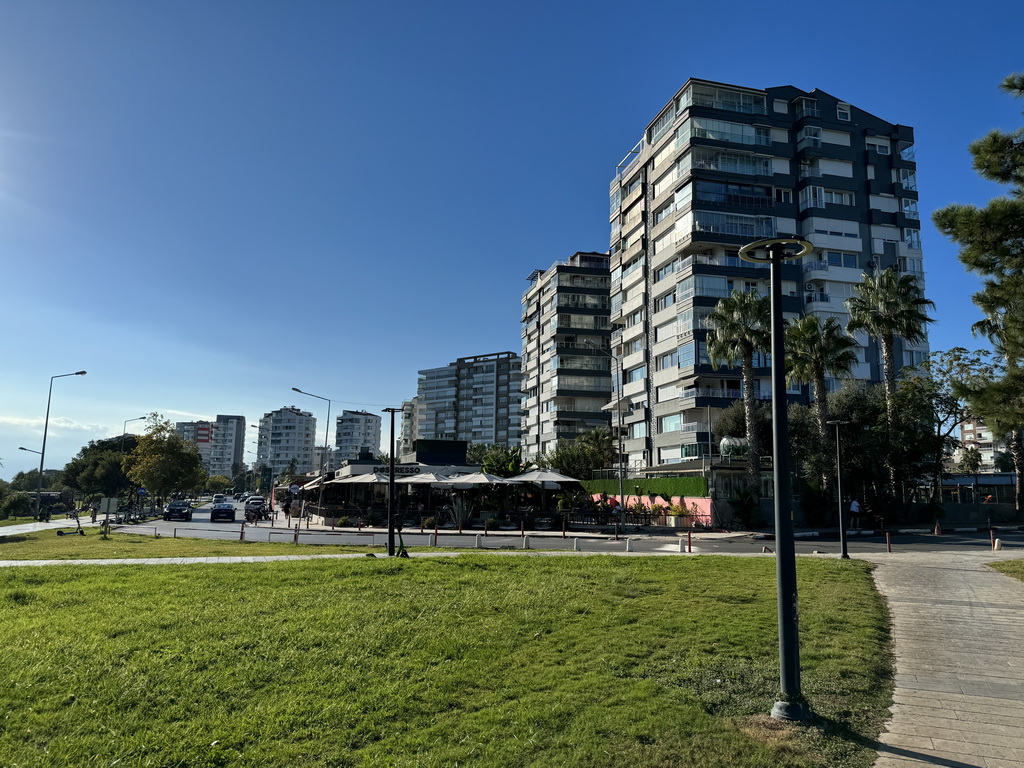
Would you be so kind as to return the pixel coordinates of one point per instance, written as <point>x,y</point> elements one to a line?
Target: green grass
<point>1013,568</point>
<point>47,545</point>
<point>478,660</point>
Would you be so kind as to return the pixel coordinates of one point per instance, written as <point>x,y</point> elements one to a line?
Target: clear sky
<point>204,203</point>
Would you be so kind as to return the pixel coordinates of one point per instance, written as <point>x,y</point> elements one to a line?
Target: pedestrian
<point>855,514</point>
<point>287,511</point>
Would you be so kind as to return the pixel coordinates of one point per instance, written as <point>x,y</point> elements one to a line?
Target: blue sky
<point>204,204</point>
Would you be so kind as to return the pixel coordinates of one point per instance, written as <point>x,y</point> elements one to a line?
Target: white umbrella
<point>477,478</point>
<point>424,477</point>
<point>371,477</point>
<point>543,476</point>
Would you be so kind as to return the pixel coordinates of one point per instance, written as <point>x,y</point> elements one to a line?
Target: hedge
<point>659,486</point>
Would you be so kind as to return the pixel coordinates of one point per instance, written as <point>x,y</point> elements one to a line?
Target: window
<point>664,302</point>
<point>909,208</point>
<point>812,197</point>
<point>881,146</point>
<point>738,133</point>
<point>839,197</point>
<point>665,271</point>
<point>912,237</point>
<point>841,259</point>
<point>783,195</point>
<point>636,374</point>
<point>667,392</point>
<point>842,111</point>
<point>639,429</point>
<point>807,108</point>
<point>809,136</point>
<point>908,178</point>
<point>663,123</point>
<point>671,423</point>
<point>669,360</point>
<point>663,213</point>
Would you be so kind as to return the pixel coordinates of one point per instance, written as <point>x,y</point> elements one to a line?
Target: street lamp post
<point>839,490</point>
<point>392,500</point>
<point>325,466</point>
<point>618,411</point>
<point>46,425</point>
<point>774,251</point>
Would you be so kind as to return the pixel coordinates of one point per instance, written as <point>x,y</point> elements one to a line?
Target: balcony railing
<point>811,298</point>
<point>810,172</point>
<point>816,266</point>
<point>752,231</point>
<point>751,201</point>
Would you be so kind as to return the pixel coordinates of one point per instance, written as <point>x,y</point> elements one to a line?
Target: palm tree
<point>602,443</point>
<point>889,306</point>
<point>812,351</point>
<point>739,327</point>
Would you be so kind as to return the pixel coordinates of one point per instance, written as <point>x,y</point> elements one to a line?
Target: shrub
<point>491,523</point>
<point>430,522</point>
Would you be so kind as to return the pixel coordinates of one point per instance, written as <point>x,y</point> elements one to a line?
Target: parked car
<point>225,511</point>
<point>178,510</point>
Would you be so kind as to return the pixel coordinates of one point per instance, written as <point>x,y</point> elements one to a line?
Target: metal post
<point>839,490</point>
<point>46,426</point>
<point>792,705</point>
<point>392,500</point>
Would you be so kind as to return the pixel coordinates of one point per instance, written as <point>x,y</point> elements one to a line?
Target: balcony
<point>815,298</point>
<point>816,266</point>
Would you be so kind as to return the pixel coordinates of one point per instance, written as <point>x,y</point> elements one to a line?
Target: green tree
<point>503,461</point>
<point>163,462</point>
<point>475,452</point>
<point>217,483</point>
<point>813,350</point>
<point>603,443</point>
<point>740,327</point>
<point>27,481</point>
<point>970,460</point>
<point>574,459</point>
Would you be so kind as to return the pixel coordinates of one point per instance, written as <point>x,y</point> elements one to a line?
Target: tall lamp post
<point>774,251</point>
<point>46,425</point>
<point>618,410</point>
<point>392,500</point>
<point>124,431</point>
<point>839,490</point>
<point>327,461</point>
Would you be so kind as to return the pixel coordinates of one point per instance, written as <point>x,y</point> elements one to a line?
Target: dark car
<point>222,512</point>
<point>178,510</point>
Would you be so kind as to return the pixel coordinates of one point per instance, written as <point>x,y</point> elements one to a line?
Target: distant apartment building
<point>721,166</point>
<point>221,443</point>
<point>285,434</point>
<point>974,433</point>
<point>408,430</point>
<point>567,360</point>
<point>476,399</point>
<point>356,432</point>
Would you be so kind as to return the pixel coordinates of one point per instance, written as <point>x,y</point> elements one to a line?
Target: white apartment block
<point>476,399</point>
<point>285,434</point>
<point>721,166</point>
<point>221,443</point>
<point>567,361</point>
<point>355,432</point>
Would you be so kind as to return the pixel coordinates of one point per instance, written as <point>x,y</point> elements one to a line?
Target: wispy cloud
<point>56,423</point>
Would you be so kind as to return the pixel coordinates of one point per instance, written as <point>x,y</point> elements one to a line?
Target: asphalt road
<point>640,543</point>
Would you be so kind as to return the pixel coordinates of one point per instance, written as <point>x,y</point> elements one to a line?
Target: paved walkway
<point>959,641</point>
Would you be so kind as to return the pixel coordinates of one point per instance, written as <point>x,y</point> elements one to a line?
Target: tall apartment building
<point>285,434</point>
<point>721,166</point>
<point>357,431</point>
<point>974,433</point>
<point>476,399</point>
<point>408,434</point>
<point>221,443</point>
<point>567,360</point>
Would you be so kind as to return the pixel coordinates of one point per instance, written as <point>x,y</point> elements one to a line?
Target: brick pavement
<point>959,644</point>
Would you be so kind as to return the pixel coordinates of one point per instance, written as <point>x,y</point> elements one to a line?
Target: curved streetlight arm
<point>618,411</point>
<point>46,426</point>
<point>325,466</point>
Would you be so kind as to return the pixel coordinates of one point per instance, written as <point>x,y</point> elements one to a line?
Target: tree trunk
<point>824,438</point>
<point>889,379</point>
<point>1017,454</point>
<point>753,438</point>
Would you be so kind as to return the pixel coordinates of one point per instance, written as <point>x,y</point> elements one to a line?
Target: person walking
<point>287,512</point>
<point>855,514</point>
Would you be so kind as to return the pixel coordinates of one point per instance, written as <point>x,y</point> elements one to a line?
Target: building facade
<point>721,166</point>
<point>566,359</point>
<point>408,430</point>
<point>476,399</point>
<point>221,443</point>
<point>356,432</point>
<point>974,433</point>
<point>285,434</point>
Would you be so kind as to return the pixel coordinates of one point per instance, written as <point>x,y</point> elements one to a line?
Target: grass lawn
<point>1013,568</point>
<point>479,660</point>
<point>47,545</point>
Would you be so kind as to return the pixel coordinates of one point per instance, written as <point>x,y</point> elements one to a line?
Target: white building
<point>285,434</point>
<point>357,432</point>
<point>220,443</point>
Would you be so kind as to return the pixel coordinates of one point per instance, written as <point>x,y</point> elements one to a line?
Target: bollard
<point>460,526</point>
<point>435,529</point>
<point>888,542</point>
<point>522,527</point>
<point>526,541</point>
<point>575,545</point>
<point>689,542</point>
<point>629,547</point>
<point>174,533</point>
<point>479,542</point>
<point>681,546</point>
<point>241,533</point>
<point>295,538</point>
<point>432,539</point>
<point>992,537</point>
<point>565,526</point>
<point>485,524</point>
<point>997,545</point>
<point>421,525</point>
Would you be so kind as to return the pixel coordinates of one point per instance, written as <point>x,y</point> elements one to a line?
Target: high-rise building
<point>220,442</point>
<point>408,434</point>
<point>355,432</point>
<point>567,362</point>
<point>721,166</point>
<point>475,399</point>
<point>285,434</point>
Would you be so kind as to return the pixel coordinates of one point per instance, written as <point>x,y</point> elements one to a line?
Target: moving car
<point>225,511</point>
<point>219,498</point>
<point>178,510</point>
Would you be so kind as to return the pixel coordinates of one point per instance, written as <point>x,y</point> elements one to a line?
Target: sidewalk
<point>958,628</point>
